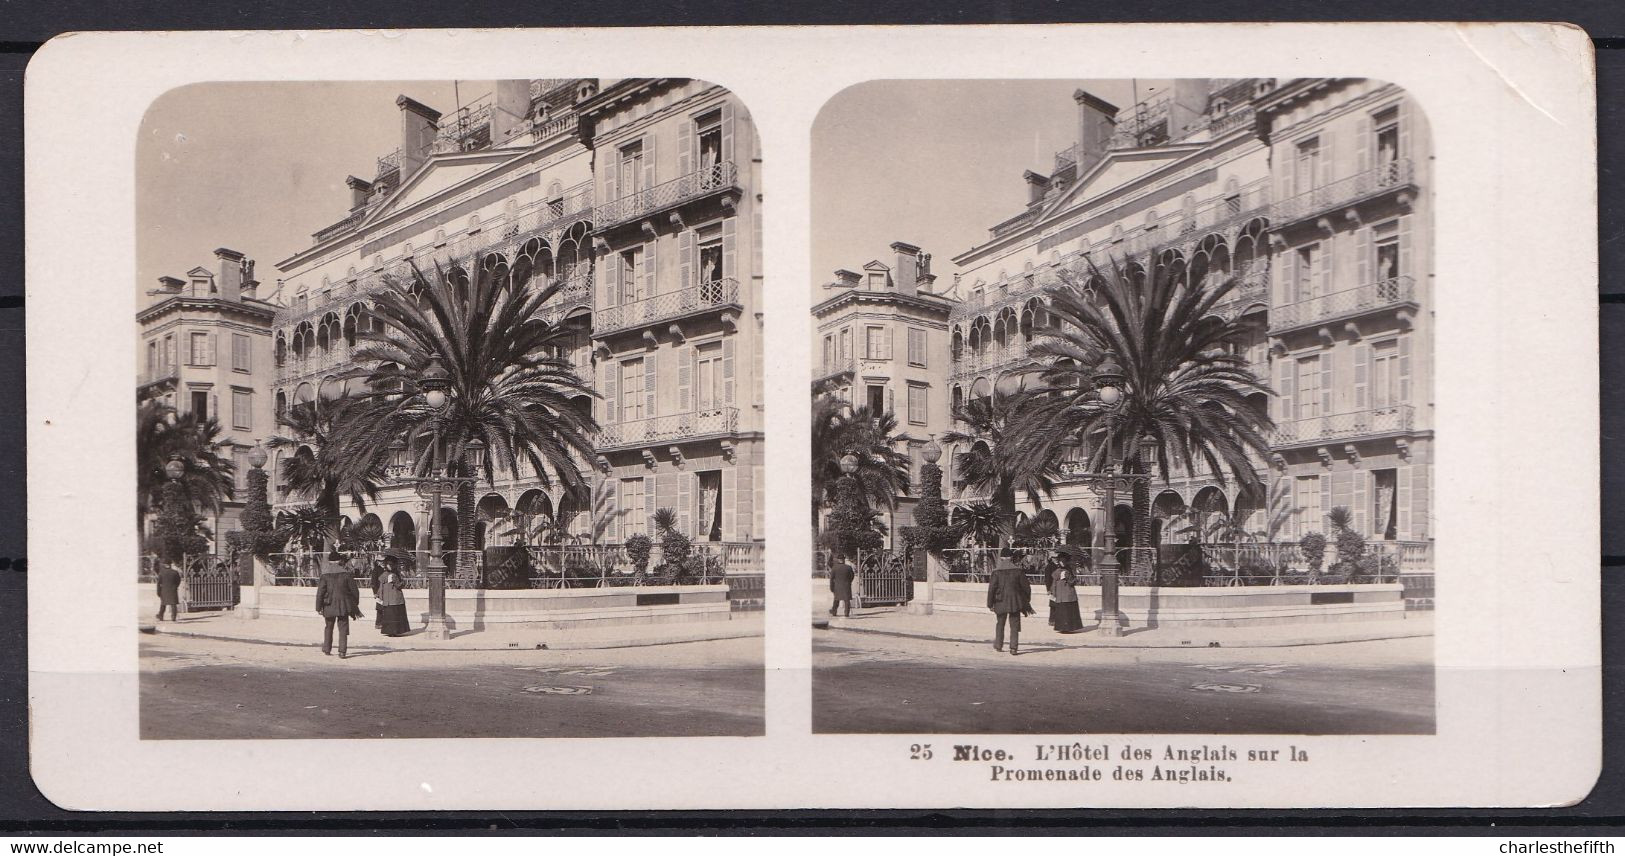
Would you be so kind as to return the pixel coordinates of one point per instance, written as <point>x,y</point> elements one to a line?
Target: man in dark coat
<point>840,584</point>
<point>1009,596</point>
<point>338,599</point>
<point>169,591</point>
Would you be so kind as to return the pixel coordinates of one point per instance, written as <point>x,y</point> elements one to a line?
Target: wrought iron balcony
<point>1252,287</point>
<point>679,427</point>
<point>1211,214</point>
<point>162,374</point>
<point>694,300</point>
<point>1384,294</point>
<point>836,368</point>
<point>1395,419</point>
<point>574,293</point>
<point>1392,176</point>
<point>995,359</point>
<point>643,203</point>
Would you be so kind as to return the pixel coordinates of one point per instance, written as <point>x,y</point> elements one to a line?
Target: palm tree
<point>837,431</point>
<point>1186,394</point>
<point>509,387</point>
<point>322,470</point>
<point>1003,458</point>
<point>210,479</point>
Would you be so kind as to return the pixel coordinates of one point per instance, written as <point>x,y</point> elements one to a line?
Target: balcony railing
<point>1383,294</point>
<point>1235,117</point>
<point>348,224</point>
<point>969,364</point>
<point>1212,213</point>
<point>1393,175</point>
<point>676,427</point>
<point>697,184</point>
<point>160,375</point>
<point>1395,419</point>
<point>836,368</point>
<point>1252,286</point>
<point>669,306</point>
<point>574,293</point>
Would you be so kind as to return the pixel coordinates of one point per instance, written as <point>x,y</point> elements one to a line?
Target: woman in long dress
<point>1063,590</point>
<point>392,620</point>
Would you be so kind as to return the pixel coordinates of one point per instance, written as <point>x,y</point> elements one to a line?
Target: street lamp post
<point>1108,379</point>
<point>436,385</point>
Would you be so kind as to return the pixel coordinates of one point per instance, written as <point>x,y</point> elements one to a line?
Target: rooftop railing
<point>1392,175</point>
<point>669,306</point>
<point>1393,419</point>
<point>707,422</point>
<point>1382,294</point>
<point>699,183</point>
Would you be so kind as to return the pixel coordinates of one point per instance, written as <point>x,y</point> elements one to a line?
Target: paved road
<point>888,685</point>
<point>205,688</point>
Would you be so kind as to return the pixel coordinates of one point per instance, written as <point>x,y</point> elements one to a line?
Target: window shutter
<point>1421,483</point>
<point>1362,511</point>
<point>1362,376</point>
<point>1283,384</point>
<point>649,161</point>
<point>731,521</point>
<point>685,505</point>
<point>611,192</point>
<point>650,385</point>
<point>685,260</point>
<point>1342,490</point>
<point>1288,181</point>
<point>685,379</point>
<point>1362,149</point>
<point>728,371</point>
<point>1362,257</point>
<point>1405,245</point>
<point>1328,157</point>
<point>1406,117</point>
<point>1285,279</point>
<point>1325,503</point>
<point>612,279</point>
<point>727,132</point>
<point>1405,489</point>
<point>728,268</point>
<point>1326,384</point>
<point>891,404</point>
<point>651,284</point>
<point>685,147</point>
<point>1404,369</point>
<point>885,343</point>
<point>1326,258</point>
<point>649,487</point>
<point>607,380</point>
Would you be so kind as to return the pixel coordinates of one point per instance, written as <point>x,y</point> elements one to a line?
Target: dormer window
<point>877,281</point>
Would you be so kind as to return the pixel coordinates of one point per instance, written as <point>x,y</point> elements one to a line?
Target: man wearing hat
<point>338,599</point>
<point>1009,596</point>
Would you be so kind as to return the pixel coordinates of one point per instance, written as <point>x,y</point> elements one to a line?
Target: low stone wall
<point>551,609</point>
<point>1229,606</point>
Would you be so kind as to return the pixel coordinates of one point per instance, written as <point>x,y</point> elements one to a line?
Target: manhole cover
<point>545,690</point>
<point>1227,688</point>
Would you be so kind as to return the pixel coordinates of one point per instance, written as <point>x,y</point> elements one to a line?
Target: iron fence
<point>1384,293</point>
<point>672,427</point>
<point>1337,426</point>
<point>539,566</point>
<point>672,304</point>
<point>639,203</point>
<point>1381,178</point>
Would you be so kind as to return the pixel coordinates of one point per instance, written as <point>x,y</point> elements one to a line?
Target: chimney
<point>1097,119</point>
<point>847,279</point>
<point>169,283</point>
<point>359,189</point>
<point>418,127</point>
<point>907,271</point>
<point>510,109</point>
<point>1189,105</point>
<point>231,274</point>
<point>251,285</point>
<point>926,278</point>
<point>1037,186</point>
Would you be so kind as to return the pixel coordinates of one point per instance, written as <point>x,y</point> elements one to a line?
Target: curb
<point>552,645</point>
<point>1290,642</point>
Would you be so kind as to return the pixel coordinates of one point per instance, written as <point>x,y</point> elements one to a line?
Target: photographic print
<point>1156,415</point>
<point>449,410</point>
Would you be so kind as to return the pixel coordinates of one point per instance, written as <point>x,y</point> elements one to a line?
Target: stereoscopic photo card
<point>1144,415</point>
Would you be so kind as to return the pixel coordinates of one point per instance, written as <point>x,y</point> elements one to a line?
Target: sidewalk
<point>978,627</point>
<point>305,632</point>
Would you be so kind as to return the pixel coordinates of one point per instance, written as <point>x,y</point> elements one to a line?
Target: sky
<point>935,163</point>
<point>259,167</point>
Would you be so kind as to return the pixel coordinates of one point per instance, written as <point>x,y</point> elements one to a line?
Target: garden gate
<point>210,583</point>
<point>883,578</point>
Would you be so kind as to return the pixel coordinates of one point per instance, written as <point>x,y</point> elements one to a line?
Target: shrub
<point>1313,546</point>
<point>638,548</point>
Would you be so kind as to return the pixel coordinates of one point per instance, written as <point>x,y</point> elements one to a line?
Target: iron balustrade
<point>1393,175</point>
<point>836,368</point>
<point>387,164</point>
<point>348,224</point>
<point>714,421</point>
<point>1382,294</point>
<point>574,293</point>
<point>639,203</point>
<point>161,374</point>
<point>668,306</point>
<point>969,365</point>
<point>1234,118</point>
<point>1394,419</point>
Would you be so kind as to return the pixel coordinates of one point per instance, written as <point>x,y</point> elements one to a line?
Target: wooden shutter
<point>1285,379</point>
<point>1325,503</point>
<point>732,521</point>
<point>1362,509</point>
<point>1362,376</point>
<point>1362,147</point>
<point>885,343</point>
<point>1362,257</point>
<point>1405,245</point>
<point>1326,384</point>
<point>685,506</point>
<point>1405,487</point>
<point>1404,369</point>
<point>891,404</point>
<point>685,379</point>
<point>648,161</point>
<point>1289,175</point>
<point>728,371</point>
<point>1284,280</point>
<point>612,493</point>
<point>649,505</point>
<point>728,268</point>
<point>685,260</point>
<point>1421,483</point>
<point>727,132</point>
<point>685,147</point>
<point>1407,117</point>
<point>1326,257</point>
<point>651,284</point>
<point>608,379</point>
<point>651,385</point>
<point>612,279</point>
<point>1343,490</point>
<point>1328,157</point>
<point>611,173</point>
